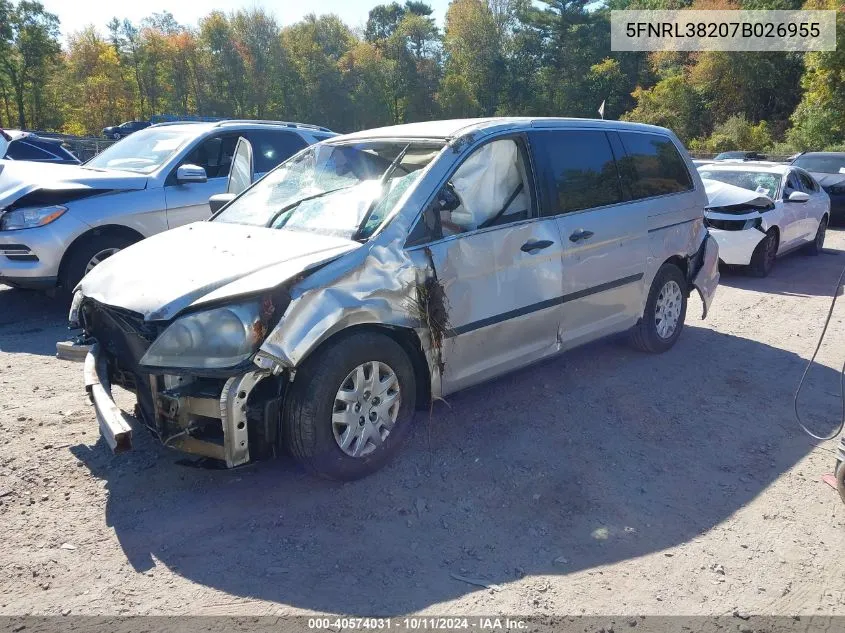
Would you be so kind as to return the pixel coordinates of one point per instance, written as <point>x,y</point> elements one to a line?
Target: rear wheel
<point>763,257</point>
<point>86,255</point>
<point>817,245</point>
<point>116,136</point>
<point>350,407</point>
<point>665,311</point>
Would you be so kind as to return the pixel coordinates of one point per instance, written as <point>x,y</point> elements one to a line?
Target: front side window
<point>807,183</point>
<point>489,188</point>
<point>214,155</point>
<point>142,152</point>
<point>653,166</point>
<point>345,190</point>
<point>583,169</point>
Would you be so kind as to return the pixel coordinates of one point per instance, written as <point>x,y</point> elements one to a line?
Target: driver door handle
<point>534,245</point>
<point>579,235</point>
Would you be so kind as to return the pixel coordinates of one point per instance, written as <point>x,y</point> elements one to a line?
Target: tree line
<point>492,57</point>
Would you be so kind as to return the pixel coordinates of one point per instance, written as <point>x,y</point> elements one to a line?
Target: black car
<point>828,168</point>
<point>17,145</point>
<point>124,129</point>
<point>740,156</point>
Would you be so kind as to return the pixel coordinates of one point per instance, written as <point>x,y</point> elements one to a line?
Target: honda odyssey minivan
<point>375,271</point>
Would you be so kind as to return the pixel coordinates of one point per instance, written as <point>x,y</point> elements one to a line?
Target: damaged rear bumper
<point>706,278</point>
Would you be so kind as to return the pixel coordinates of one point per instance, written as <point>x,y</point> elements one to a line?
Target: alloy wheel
<point>99,257</point>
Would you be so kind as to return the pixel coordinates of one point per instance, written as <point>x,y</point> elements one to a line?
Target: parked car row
<point>327,298</point>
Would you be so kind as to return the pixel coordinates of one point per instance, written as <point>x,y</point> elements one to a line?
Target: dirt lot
<point>605,481</point>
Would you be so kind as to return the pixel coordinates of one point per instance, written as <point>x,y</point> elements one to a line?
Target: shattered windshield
<point>821,164</point>
<point>142,152</point>
<point>756,181</point>
<point>344,190</point>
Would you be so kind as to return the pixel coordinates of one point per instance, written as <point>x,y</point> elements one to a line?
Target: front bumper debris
<point>706,280</point>
<point>115,425</point>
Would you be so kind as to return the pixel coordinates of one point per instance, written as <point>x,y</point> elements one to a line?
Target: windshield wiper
<point>296,203</point>
<point>382,181</point>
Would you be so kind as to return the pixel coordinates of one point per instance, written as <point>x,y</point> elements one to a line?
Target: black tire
<point>764,256</point>
<point>644,335</point>
<point>839,473</point>
<point>307,417</point>
<point>817,245</point>
<point>78,259</point>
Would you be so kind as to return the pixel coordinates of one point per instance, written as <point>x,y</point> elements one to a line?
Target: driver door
<point>499,264</point>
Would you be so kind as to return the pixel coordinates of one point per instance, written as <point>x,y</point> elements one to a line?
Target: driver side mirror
<point>797,196</point>
<point>186,174</point>
<point>220,200</point>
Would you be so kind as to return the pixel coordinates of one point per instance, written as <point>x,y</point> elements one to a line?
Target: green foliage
<point>736,133</point>
<point>493,57</point>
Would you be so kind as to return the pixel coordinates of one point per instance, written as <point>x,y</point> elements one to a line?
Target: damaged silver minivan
<point>376,271</point>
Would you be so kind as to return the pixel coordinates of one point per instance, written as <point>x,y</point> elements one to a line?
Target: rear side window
<point>272,147</point>
<point>21,150</point>
<point>653,166</point>
<point>808,183</point>
<point>582,169</point>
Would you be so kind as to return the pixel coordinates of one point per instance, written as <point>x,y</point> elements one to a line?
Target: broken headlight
<point>212,339</point>
<point>30,218</point>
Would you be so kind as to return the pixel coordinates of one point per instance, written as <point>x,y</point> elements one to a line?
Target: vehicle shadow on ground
<point>31,322</point>
<point>599,456</point>
<point>794,274</point>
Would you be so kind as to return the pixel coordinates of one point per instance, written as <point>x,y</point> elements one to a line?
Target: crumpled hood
<point>205,261</point>
<point>20,177</point>
<point>721,194</point>
<point>828,180</point>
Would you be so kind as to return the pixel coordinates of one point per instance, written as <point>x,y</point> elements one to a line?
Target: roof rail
<point>163,123</point>
<point>262,122</point>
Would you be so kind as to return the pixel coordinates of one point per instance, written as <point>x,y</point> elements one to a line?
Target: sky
<point>77,14</point>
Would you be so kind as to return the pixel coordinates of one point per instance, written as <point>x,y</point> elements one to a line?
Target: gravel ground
<point>605,481</point>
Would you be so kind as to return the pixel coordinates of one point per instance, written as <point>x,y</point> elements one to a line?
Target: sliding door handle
<point>579,235</point>
<point>535,245</point>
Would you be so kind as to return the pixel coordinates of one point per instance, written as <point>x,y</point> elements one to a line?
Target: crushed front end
<point>228,414</point>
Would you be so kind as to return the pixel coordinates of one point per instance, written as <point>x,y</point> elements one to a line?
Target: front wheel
<point>89,253</point>
<point>817,245</point>
<point>665,311</point>
<point>350,407</point>
<point>763,257</point>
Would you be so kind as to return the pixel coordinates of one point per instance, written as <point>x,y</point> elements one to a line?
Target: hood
<point>721,194</point>
<point>18,178</point>
<point>828,180</point>
<point>205,261</point>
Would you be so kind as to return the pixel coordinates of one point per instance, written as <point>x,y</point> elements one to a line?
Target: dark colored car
<point>124,129</point>
<point>740,156</point>
<point>17,145</point>
<point>828,168</point>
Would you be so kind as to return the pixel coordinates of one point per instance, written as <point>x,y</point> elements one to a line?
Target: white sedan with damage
<point>761,211</point>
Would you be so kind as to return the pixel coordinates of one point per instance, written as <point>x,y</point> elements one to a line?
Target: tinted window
<point>272,147</point>
<point>825,163</point>
<point>582,169</point>
<point>214,155</point>
<point>653,166</point>
<point>26,151</point>
<point>806,182</point>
